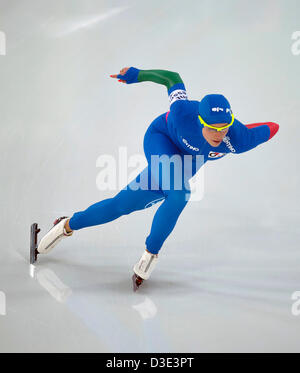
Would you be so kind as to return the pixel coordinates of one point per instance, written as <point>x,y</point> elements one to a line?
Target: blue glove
<point>131,75</point>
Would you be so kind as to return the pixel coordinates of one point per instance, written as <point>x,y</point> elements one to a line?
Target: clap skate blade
<point>136,282</point>
<point>34,230</point>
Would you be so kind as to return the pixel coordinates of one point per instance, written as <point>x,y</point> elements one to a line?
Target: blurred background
<point>228,271</point>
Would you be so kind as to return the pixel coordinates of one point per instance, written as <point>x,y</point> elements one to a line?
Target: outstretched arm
<point>133,75</point>
<point>171,80</point>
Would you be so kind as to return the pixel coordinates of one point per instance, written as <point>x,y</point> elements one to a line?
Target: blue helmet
<point>215,109</point>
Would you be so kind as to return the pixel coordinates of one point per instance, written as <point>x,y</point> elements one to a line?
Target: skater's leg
<point>125,202</point>
<point>173,181</point>
<point>163,223</point>
<point>129,199</point>
<point>177,192</point>
<point>165,219</point>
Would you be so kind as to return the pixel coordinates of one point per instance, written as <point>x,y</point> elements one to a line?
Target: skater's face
<point>214,137</point>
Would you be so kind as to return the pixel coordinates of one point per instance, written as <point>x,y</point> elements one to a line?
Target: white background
<point>226,274</point>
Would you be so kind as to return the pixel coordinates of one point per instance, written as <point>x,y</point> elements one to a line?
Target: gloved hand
<point>127,75</point>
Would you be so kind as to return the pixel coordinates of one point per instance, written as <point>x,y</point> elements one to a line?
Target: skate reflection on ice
<point>51,282</point>
<point>31,270</point>
<point>147,309</point>
<point>154,340</point>
<point>96,315</point>
<point>103,317</point>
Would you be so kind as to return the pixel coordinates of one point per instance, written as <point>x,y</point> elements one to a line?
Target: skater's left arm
<point>251,135</point>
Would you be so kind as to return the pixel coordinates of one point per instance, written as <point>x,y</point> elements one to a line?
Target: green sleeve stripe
<point>167,78</point>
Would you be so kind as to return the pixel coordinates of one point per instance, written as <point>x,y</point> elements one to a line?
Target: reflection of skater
<point>102,317</point>
<point>206,128</point>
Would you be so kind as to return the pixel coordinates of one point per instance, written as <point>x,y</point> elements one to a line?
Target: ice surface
<point>226,275</point>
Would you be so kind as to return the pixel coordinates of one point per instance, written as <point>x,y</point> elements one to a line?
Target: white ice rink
<point>226,275</point>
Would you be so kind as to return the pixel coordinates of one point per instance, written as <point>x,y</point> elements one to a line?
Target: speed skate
<point>51,238</point>
<point>34,230</point>
<point>141,270</point>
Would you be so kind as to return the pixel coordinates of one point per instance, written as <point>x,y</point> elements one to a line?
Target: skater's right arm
<point>171,80</point>
<point>186,111</point>
<point>133,75</point>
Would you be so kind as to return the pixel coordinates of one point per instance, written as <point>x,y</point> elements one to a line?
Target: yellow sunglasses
<point>218,129</point>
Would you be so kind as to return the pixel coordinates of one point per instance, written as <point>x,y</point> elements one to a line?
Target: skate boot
<point>142,269</point>
<point>54,236</point>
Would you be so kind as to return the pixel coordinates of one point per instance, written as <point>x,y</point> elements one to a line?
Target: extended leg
<point>125,202</point>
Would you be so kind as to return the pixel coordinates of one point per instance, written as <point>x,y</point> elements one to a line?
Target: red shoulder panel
<point>273,127</point>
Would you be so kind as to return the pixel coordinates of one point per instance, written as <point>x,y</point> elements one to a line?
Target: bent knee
<point>179,196</point>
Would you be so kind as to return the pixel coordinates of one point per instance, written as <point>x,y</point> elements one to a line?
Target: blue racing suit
<point>175,133</point>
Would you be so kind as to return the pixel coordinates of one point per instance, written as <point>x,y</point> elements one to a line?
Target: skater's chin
<point>215,143</point>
